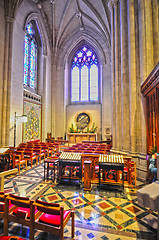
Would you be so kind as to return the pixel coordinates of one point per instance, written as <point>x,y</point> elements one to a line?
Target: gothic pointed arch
<point>84,76</point>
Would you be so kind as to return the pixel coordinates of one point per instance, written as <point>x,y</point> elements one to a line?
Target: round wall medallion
<point>82,120</point>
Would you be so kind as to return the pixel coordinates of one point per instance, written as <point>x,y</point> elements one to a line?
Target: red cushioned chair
<point>52,220</point>
<point>21,210</point>
<point>29,155</point>
<point>2,204</point>
<point>38,151</point>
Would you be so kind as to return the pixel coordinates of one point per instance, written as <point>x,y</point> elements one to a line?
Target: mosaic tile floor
<point>100,214</point>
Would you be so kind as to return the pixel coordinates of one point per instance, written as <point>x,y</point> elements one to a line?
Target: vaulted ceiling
<point>65,18</point>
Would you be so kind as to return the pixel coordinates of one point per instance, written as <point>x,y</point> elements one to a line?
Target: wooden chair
<point>2,197</point>
<point>53,147</point>
<point>52,220</point>
<point>21,210</point>
<point>2,205</point>
<point>50,164</point>
<point>45,149</point>
<point>37,150</point>
<point>29,155</point>
<point>18,160</point>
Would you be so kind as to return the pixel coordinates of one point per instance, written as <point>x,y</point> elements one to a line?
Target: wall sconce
<point>23,119</point>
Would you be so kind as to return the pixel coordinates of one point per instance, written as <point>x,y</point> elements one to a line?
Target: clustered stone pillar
<point>118,72</point>
<point>155,24</point>
<point>116,51</point>
<point>10,10</point>
<point>7,81</point>
<point>132,77</point>
<point>124,78</point>
<point>110,5</point>
<point>44,117</point>
<point>134,53</point>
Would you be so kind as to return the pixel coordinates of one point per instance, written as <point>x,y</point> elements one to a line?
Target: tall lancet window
<point>30,58</point>
<point>85,76</point>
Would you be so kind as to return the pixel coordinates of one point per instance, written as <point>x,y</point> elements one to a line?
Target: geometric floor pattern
<point>99,214</point>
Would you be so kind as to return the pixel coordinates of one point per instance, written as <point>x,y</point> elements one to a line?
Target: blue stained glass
<point>32,64</point>
<point>75,84</point>
<point>26,54</point>
<point>29,29</point>
<point>86,61</point>
<point>89,53</point>
<point>80,54</point>
<point>30,57</point>
<point>94,83</point>
<point>84,49</point>
<point>84,84</point>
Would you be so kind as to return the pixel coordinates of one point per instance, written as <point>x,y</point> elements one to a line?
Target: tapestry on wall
<point>32,128</point>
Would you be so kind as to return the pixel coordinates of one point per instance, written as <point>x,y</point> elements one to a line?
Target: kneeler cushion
<point>11,238</point>
<point>21,214</point>
<point>52,219</point>
<point>2,206</point>
<point>20,209</point>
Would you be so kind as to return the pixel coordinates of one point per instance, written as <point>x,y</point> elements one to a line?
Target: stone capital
<point>110,5</point>
<point>9,19</point>
<point>115,2</point>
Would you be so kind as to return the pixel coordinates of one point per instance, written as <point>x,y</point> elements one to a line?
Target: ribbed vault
<point>64,18</point>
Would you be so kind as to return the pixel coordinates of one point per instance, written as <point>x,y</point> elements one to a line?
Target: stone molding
<point>33,97</point>
<point>110,5</point>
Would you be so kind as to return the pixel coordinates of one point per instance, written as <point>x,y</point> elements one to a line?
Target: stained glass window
<point>30,57</point>
<point>84,76</point>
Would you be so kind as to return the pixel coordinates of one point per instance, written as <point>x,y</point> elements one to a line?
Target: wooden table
<point>79,137</point>
<point>107,166</point>
<point>5,160</point>
<point>70,166</point>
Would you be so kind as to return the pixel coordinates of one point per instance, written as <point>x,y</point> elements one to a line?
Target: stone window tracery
<point>85,76</point>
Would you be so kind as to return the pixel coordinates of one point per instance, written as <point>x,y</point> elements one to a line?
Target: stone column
<point>44,134</point>
<point>149,36</point>
<point>119,113</point>
<point>7,80</point>
<point>10,8</point>
<point>155,24</point>
<point>110,5</point>
<point>116,69</point>
<point>143,70</point>
<point>53,101</point>
<point>132,76</point>
<point>60,112</point>
<point>124,77</point>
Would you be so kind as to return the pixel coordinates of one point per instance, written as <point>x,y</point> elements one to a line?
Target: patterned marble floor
<point>99,214</point>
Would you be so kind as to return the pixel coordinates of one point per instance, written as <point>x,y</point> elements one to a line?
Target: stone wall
<point>2,39</point>
<point>135,52</point>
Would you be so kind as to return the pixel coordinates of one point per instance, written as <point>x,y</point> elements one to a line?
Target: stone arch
<point>67,59</point>
<point>71,47</point>
<point>35,17</point>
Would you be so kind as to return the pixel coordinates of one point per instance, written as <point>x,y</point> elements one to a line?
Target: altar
<point>79,137</point>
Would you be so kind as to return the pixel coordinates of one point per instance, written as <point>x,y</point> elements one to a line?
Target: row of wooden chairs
<point>88,148</point>
<point>37,215</point>
<point>32,151</point>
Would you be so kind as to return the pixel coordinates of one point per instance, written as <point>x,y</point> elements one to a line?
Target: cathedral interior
<point>76,73</point>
